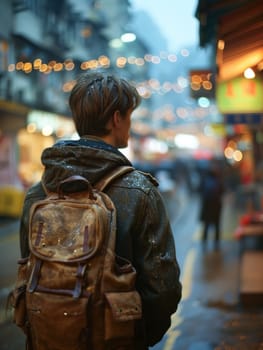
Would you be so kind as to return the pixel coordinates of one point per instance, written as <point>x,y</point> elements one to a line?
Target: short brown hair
<point>94,99</point>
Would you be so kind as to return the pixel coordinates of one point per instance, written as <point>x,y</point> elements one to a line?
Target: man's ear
<point>116,119</point>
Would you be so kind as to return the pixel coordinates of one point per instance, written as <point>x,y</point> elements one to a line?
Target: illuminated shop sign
<point>240,95</point>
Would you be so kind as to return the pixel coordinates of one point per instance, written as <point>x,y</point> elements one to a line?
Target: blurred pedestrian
<point>211,204</point>
<point>102,106</point>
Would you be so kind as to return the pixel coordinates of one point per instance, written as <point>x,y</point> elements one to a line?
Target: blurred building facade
<point>44,44</point>
<point>44,36</point>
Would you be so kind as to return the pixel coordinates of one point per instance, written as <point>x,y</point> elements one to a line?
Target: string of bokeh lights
<point>145,89</point>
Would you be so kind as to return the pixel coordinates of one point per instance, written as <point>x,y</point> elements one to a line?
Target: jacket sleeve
<point>157,267</point>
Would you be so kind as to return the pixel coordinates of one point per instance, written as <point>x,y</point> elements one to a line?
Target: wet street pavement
<point>209,316</point>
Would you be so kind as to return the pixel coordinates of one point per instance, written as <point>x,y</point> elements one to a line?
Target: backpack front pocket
<point>122,309</point>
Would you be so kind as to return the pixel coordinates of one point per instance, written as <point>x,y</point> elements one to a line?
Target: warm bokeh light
<point>237,156</point>
<point>31,128</point>
<point>47,130</point>
<point>249,73</point>
<point>220,44</point>
<point>228,152</point>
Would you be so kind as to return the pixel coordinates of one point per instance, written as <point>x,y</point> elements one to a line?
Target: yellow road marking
<point>187,279</point>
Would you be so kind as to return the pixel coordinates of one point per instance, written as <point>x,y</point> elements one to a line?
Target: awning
<point>12,116</point>
<point>236,29</point>
<point>13,108</point>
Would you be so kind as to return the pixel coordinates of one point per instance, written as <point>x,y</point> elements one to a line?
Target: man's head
<point>99,102</point>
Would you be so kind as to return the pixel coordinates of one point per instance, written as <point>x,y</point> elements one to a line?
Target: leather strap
<point>35,276</point>
<point>81,269</point>
<point>115,173</point>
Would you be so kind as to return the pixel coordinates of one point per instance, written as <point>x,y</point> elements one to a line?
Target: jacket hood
<point>88,157</point>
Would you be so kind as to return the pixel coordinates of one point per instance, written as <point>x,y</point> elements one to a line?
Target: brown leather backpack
<point>73,292</point>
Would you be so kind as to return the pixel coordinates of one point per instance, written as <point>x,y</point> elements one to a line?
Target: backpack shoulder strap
<point>105,181</point>
<point>115,173</point>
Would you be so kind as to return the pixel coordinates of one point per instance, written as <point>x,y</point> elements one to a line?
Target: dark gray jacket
<point>143,231</point>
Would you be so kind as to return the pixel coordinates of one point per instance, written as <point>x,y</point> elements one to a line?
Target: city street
<point>209,316</point>
<point>177,87</point>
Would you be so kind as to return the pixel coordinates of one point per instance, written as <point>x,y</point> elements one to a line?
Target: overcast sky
<point>175,18</point>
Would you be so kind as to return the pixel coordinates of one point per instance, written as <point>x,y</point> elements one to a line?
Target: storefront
<point>240,100</point>
<point>24,134</point>
<point>41,131</point>
<point>12,118</point>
